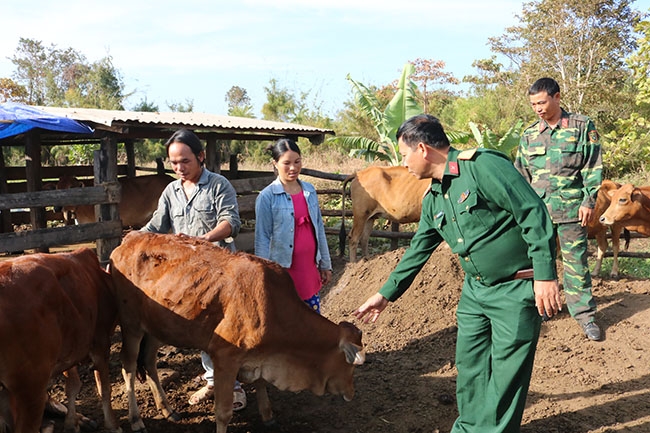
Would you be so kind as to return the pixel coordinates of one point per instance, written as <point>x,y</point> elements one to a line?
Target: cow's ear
<point>353,354</point>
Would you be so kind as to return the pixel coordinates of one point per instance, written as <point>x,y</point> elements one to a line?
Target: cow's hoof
<point>175,417</point>
<point>271,425</point>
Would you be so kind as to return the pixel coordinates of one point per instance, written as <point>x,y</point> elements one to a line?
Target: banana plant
<point>403,106</point>
<point>489,140</point>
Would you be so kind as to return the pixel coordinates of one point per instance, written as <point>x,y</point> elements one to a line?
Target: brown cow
<point>55,311</point>
<point>596,230</point>
<point>390,192</point>
<point>139,199</point>
<point>242,310</point>
<point>629,206</point>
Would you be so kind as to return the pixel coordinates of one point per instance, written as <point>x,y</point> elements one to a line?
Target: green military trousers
<point>498,329</point>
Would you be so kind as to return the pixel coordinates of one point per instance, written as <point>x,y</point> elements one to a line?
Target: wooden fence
<point>247,187</point>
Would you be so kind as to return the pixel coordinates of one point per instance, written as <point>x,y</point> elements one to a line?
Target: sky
<point>171,52</point>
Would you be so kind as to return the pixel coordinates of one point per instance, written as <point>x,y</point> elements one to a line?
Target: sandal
<point>204,394</point>
<point>238,398</point>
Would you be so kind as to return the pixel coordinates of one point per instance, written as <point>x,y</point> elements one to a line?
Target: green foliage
<point>63,77</point>
<point>146,106</point>
<point>580,43</point>
<point>181,107</point>
<point>239,103</point>
<point>507,143</point>
<point>627,148</point>
<point>402,106</point>
<point>12,91</point>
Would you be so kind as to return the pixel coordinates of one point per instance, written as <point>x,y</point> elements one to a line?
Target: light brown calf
<point>389,192</point>
<point>630,206</point>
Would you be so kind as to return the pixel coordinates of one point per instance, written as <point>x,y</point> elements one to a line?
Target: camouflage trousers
<point>572,240</point>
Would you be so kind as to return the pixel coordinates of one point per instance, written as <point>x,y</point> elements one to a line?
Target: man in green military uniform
<point>490,216</point>
<point>560,156</point>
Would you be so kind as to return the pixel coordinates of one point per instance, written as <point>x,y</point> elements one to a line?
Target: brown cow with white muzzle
<point>240,309</point>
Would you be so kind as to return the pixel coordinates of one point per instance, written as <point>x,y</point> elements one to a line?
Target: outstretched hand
<point>369,311</point>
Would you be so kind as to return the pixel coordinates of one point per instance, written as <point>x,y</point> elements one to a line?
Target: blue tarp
<point>18,118</point>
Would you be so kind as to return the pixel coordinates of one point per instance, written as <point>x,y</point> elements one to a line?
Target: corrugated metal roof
<point>112,118</point>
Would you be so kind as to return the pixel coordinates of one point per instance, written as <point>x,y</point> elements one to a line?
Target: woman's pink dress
<point>303,270</point>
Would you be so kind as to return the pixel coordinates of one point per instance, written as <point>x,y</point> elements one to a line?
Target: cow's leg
<point>365,236</point>
<point>6,417</point>
<point>616,234</point>
<point>27,397</point>
<point>354,236</point>
<point>601,241</point>
<point>72,388</point>
<point>226,365</point>
<point>263,403</point>
<point>103,383</point>
<point>129,356</point>
<point>149,356</point>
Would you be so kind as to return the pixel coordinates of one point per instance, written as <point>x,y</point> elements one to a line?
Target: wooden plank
<point>243,186</point>
<point>56,172</point>
<point>103,194</point>
<point>20,241</point>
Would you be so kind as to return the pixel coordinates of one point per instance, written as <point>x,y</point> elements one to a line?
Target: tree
<point>280,103</point>
<point>580,43</point>
<point>12,91</point>
<point>402,106</point>
<point>627,149</point>
<point>63,77</point>
<point>181,107</point>
<point>239,103</point>
<point>427,74</point>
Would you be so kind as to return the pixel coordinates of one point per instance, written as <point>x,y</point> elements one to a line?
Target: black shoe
<point>592,331</point>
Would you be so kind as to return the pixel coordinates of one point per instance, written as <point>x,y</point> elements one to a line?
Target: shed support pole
<point>5,214</point>
<point>34,181</point>
<point>105,167</point>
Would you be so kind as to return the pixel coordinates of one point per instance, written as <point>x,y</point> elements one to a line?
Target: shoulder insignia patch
<point>593,136</point>
<point>467,154</point>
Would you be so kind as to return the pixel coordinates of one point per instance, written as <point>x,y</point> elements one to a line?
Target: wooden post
<point>234,167</point>
<point>212,154</point>
<point>394,243</point>
<point>130,158</point>
<point>34,182</point>
<point>105,168</point>
<point>5,214</point>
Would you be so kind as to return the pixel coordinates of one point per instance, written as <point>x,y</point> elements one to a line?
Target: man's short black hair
<point>545,84</point>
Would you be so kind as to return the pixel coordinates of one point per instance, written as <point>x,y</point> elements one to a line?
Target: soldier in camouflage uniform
<point>560,156</point>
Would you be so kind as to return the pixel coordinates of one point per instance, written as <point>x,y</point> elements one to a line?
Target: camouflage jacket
<point>563,164</point>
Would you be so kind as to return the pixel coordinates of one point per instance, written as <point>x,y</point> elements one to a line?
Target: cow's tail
<point>342,234</point>
<point>626,236</point>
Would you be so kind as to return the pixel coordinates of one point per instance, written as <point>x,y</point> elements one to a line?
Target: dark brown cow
<point>139,199</point>
<point>629,206</point>
<point>56,310</point>
<point>389,192</point>
<point>242,310</point>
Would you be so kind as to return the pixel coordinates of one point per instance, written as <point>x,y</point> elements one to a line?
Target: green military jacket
<point>563,164</point>
<point>489,215</point>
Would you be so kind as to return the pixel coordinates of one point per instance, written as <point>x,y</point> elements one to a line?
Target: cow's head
<point>626,202</point>
<point>340,380</point>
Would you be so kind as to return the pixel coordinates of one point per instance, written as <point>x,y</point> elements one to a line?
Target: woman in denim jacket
<point>289,226</point>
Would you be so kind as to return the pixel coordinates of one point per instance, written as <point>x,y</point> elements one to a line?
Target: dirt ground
<point>408,381</point>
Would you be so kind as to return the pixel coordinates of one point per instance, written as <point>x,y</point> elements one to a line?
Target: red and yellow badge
<point>593,136</point>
